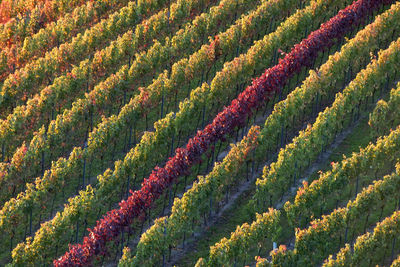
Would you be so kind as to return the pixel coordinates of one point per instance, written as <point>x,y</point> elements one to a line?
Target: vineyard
<point>200,133</point>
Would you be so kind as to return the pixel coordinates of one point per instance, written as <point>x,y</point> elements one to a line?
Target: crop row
<point>196,199</point>
<point>260,14</point>
<point>25,82</point>
<point>307,145</point>
<point>368,248</point>
<point>187,211</point>
<point>233,116</point>
<point>384,116</point>
<point>46,145</point>
<point>323,78</point>
<point>21,124</point>
<point>49,142</point>
<point>12,9</point>
<point>371,158</point>
<point>324,234</point>
<point>22,40</point>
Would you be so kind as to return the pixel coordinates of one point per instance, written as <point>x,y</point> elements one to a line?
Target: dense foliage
<point>225,122</point>
<point>116,118</point>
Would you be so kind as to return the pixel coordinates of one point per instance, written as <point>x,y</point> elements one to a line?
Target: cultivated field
<point>200,133</point>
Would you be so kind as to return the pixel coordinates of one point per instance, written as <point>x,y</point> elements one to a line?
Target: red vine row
<point>262,88</point>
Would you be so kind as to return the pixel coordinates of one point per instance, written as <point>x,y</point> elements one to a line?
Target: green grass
<point>227,223</point>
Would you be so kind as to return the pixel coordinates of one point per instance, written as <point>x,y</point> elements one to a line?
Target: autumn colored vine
<point>225,122</point>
